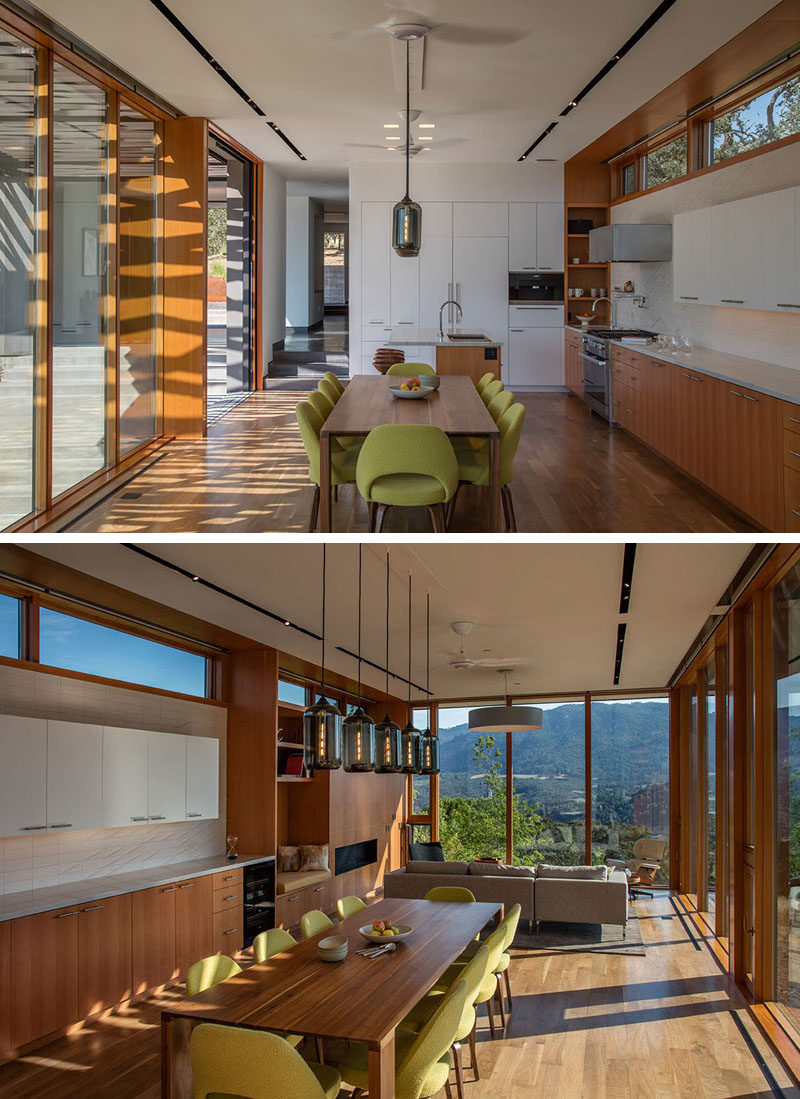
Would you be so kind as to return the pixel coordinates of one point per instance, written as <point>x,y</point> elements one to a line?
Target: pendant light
<point>407,215</point>
<point>430,743</point>
<point>387,732</point>
<point>411,737</point>
<point>505,719</point>
<point>322,722</point>
<point>358,728</point>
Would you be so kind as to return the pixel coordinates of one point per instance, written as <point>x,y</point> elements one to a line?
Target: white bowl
<point>333,948</point>
<point>376,937</point>
<point>410,394</point>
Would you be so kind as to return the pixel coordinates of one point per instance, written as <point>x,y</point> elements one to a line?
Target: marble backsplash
<point>32,862</point>
<point>756,334</point>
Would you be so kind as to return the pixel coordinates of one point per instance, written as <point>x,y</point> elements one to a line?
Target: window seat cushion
<point>300,879</point>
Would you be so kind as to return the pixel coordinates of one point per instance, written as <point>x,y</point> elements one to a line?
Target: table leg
<point>166,1057</point>
<point>499,916</point>
<point>176,1065</point>
<point>494,485</point>
<point>325,524</point>
<point>381,1070</point>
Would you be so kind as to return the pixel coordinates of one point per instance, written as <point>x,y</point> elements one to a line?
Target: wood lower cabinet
<point>472,361</point>
<point>44,974</point>
<point>193,911</point>
<point>791,488</point>
<point>153,953</point>
<point>227,932</point>
<point>750,453</point>
<point>5,987</point>
<point>289,907</point>
<point>104,954</point>
<point>319,896</point>
<point>573,367</point>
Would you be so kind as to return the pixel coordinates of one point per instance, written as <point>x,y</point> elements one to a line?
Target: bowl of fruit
<point>384,932</point>
<point>410,389</point>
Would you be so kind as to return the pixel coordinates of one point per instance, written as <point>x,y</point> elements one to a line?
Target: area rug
<point>583,938</point>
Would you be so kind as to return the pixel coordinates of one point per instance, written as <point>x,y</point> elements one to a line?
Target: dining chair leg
<point>451,507</point>
<point>473,1052</point>
<point>312,525</point>
<point>382,515</point>
<point>509,503</point>
<point>508,990</point>
<point>336,494</point>
<point>435,520</point>
<point>444,520</point>
<point>373,511</point>
<point>320,1050</point>
<point>448,1090</point>
<point>490,1013</point>
<point>498,995</point>
<point>358,1092</point>
<point>456,1050</point>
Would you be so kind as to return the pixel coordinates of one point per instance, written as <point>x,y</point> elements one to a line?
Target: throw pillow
<point>579,873</point>
<point>288,859</point>
<point>422,867</point>
<point>314,856</point>
<point>499,870</point>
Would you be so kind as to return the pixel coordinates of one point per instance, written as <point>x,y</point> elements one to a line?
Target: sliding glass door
<point>21,192</point>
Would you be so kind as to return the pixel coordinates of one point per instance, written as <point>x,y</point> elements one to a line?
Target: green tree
<point>217,231</point>
<point>767,118</point>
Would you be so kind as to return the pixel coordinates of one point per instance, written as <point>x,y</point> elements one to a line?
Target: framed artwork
<point>91,255</point>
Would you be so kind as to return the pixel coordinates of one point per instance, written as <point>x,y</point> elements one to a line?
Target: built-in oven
<point>594,356</point>
<point>536,286</point>
<point>259,898</point>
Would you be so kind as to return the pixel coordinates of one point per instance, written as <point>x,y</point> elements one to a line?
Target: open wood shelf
<point>578,266</point>
<point>291,707</point>
<point>290,744</point>
<point>577,236</point>
<point>294,778</point>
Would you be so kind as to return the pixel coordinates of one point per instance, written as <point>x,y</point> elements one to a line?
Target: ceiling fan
<point>460,662</point>
<point>460,35</point>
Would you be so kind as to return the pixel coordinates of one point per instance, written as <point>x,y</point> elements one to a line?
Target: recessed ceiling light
<point>391,125</point>
<point>427,149</point>
<point>425,138</point>
<point>391,137</point>
<point>427,125</point>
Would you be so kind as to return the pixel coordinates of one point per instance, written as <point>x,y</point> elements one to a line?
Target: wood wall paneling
<point>185,248</point>
<point>5,987</point>
<point>104,953</point>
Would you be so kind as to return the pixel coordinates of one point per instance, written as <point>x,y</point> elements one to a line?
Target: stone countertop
<point>781,382</point>
<point>424,337</point>
<point>30,902</point>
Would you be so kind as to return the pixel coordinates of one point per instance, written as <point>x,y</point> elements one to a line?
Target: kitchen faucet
<point>450,301</point>
<point>610,302</point>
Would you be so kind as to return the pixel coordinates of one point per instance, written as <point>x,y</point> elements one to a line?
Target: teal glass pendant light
<point>430,743</point>
<point>387,732</point>
<point>322,722</point>
<point>358,728</point>
<point>407,214</point>
<point>411,737</point>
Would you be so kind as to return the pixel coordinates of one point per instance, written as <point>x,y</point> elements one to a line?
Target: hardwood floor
<point>598,1025</point>
<point>572,475</point>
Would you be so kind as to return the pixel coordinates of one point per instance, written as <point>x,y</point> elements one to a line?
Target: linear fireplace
<point>352,856</point>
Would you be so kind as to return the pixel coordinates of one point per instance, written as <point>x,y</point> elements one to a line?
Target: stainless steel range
<point>596,359</point>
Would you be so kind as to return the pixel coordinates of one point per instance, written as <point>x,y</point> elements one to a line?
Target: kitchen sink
<point>467,336</point>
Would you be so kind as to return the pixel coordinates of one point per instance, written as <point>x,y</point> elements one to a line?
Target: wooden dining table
<point>360,999</point>
<point>456,407</point>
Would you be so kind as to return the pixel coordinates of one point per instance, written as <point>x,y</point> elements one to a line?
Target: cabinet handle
<point>232,897</point>
<point>375,322</point>
<point>161,817</point>
<point>732,301</point>
<point>136,819</point>
<point>63,915</point>
<point>231,932</point>
<point>744,396</point>
<point>793,420</point>
<point>172,889</point>
<point>786,305</point>
<point>59,826</point>
<point>794,454</point>
<point>187,885</point>
<point>631,411</point>
<point>92,908</point>
<point>688,297</point>
<point>194,814</point>
<point>691,378</point>
<point>33,827</point>
<point>403,322</point>
<point>230,877</point>
<point>795,512</point>
<point>516,329</point>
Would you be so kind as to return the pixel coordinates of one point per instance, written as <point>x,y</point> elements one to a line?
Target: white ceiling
<point>495,75</point>
<point>552,609</point>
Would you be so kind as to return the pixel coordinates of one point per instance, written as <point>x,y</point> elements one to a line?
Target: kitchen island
<point>472,356</point>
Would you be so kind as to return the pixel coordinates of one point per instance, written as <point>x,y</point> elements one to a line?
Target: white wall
<point>756,334</point>
<point>273,262</point>
<point>35,862</point>
<point>304,280</point>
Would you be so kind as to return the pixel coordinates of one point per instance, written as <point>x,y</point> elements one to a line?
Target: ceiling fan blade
<point>479,36</point>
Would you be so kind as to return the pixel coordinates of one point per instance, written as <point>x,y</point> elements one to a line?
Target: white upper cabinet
<point>781,250</point>
<point>737,230</point>
<point>480,219</point>
<point>691,256</point>
<point>74,776</point>
<point>376,246</point>
<point>435,280</point>
<point>549,236</point>
<point>404,296</point>
<point>437,219</point>
<point>480,276</point>
<point>23,776</point>
<point>166,777</point>
<point>202,778</point>
<point>124,777</point>
<point>522,236</point>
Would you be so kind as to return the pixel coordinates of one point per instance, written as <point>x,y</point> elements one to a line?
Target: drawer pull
<point>691,378</point>
<point>794,511</point>
<point>231,932</point>
<point>33,828</point>
<point>187,885</point>
<point>631,411</point>
<point>172,889</point>
<point>732,301</point>
<point>194,814</point>
<point>159,817</point>
<point>137,819</point>
<point>404,322</point>
<point>736,393</point>
<point>793,420</point>
<point>688,297</point>
<point>92,908</point>
<point>794,454</point>
<point>786,305</point>
<point>63,825</point>
<point>63,915</point>
<point>232,897</point>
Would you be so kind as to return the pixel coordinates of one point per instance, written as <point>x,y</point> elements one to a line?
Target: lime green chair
<point>422,1060</point>
<point>329,376</point>
<point>409,370</point>
<point>481,384</point>
<point>474,467</point>
<point>491,390</point>
<point>490,991</point>
<point>343,460</point>
<point>498,405</point>
<point>348,906</point>
<point>407,465</point>
<point>274,941</point>
<point>509,924</point>
<point>329,390</point>
<point>322,405</point>
<point>473,974</point>
<point>231,1061</point>
<point>209,972</point>
<point>311,923</point>
<point>449,893</point>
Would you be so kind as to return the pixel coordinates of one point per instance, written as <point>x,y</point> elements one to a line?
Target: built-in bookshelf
<point>583,275</point>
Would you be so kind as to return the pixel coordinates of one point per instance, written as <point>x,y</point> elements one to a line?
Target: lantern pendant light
<point>412,738</point>
<point>407,215</point>
<point>358,728</point>
<point>387,733</point>
<point>322,722</point>
<point>430,743</point>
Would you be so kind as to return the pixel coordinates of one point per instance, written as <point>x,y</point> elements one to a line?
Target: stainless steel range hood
<point>630,244</point>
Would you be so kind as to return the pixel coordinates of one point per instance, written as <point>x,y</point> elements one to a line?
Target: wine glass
<point>687,345</point>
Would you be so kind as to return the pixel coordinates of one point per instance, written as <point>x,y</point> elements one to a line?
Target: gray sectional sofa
<point>562,894</point>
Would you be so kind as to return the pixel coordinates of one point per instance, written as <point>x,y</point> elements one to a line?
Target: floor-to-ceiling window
<point>630,777</point>
<point>21,192</point>
<point>81,277</point>
<point>711,784</point>
<point>472,789</point>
